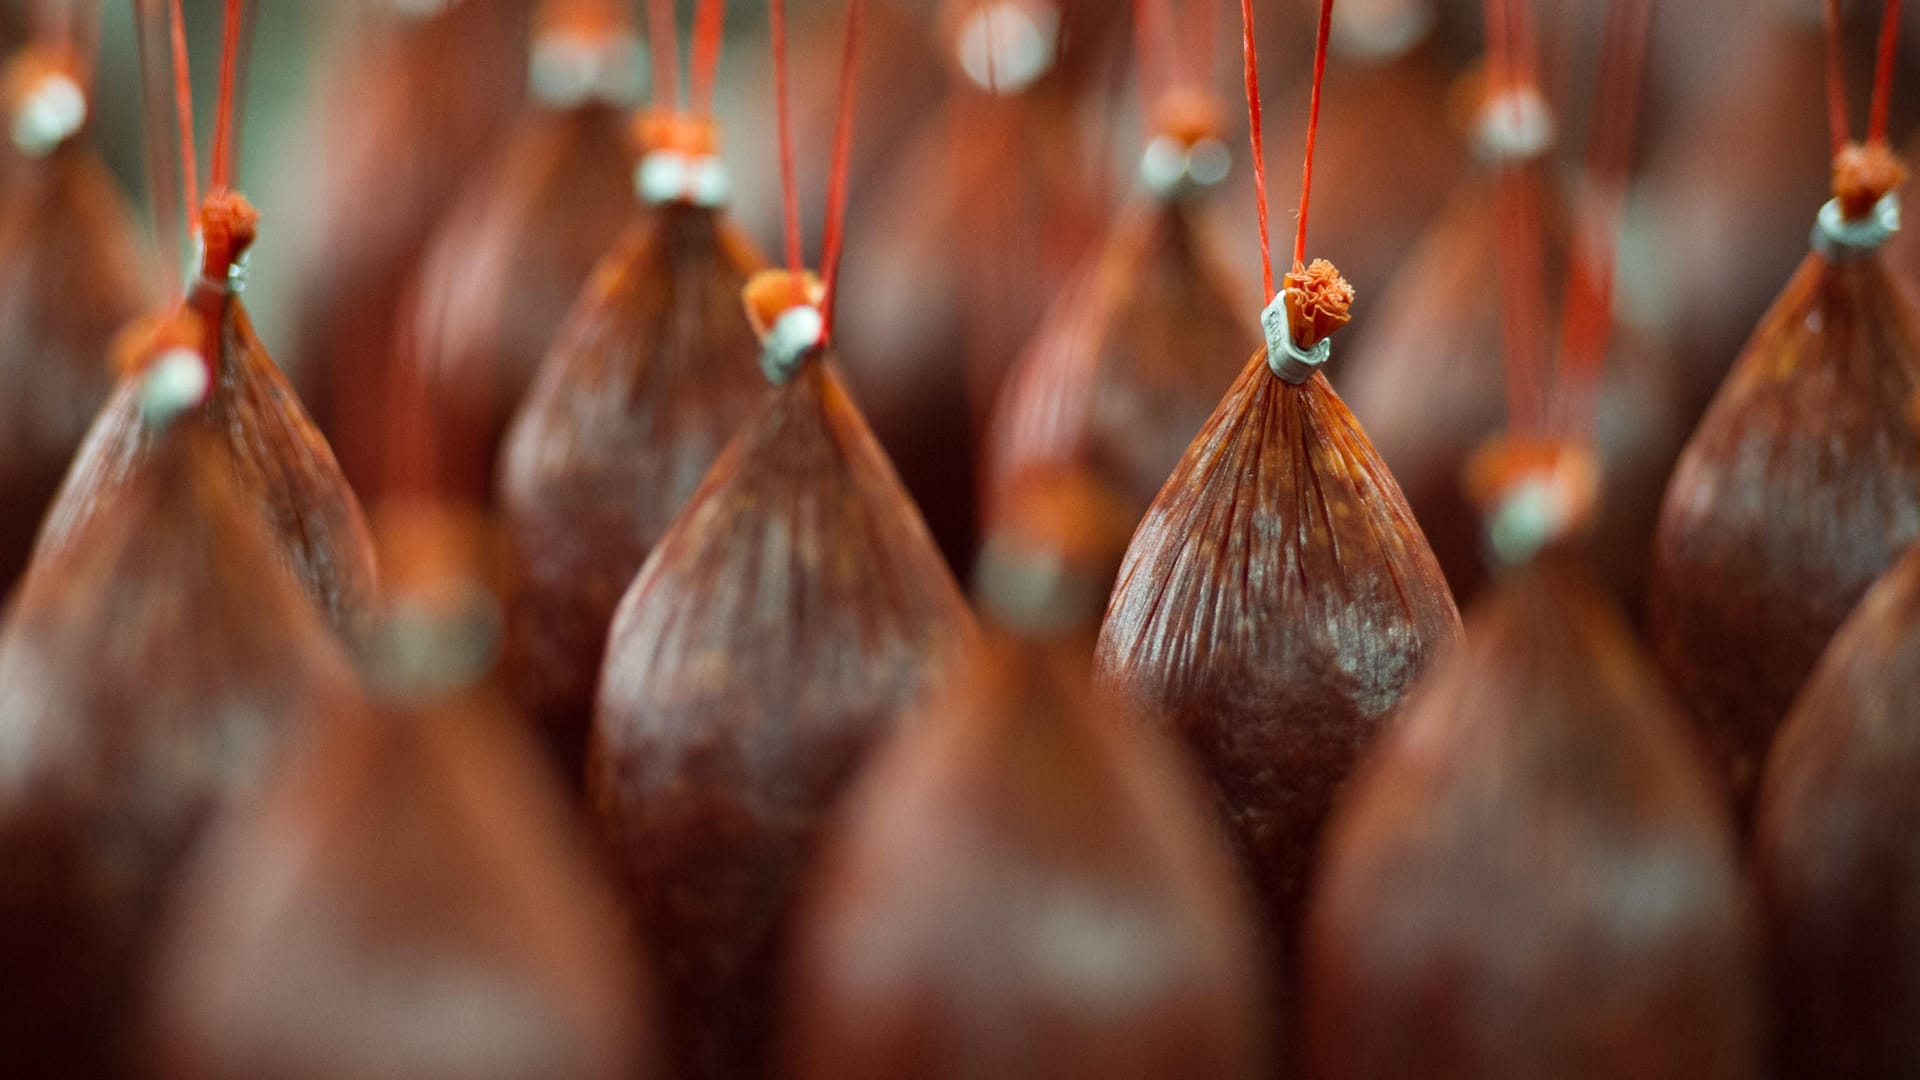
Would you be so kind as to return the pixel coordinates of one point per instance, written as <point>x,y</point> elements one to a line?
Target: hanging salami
<point>1133,355</point>
<point>1802,483</point>
<point>149,671</point>
<point>650,376</point>
<point>410,896</point>
<point>783,625</point>
<point>1279,598</point>
<point>505,267</point>
<point>1026,884</point>
<point>277,457</point>
<point>71,276</point>
<point>1487,905</point>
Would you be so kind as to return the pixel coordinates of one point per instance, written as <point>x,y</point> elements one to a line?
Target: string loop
<point>835,237</point>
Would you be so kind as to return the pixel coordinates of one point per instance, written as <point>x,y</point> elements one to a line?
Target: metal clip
<point>666,176</point>
<point>175,381</point>
<point>1284,358</point>
<point>1840,240</point>
<point>793,337</point>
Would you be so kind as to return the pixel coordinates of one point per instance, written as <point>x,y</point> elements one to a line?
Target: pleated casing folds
<point>1130,360</point>
<point>278,459</point>
<point>1277,602</point>
<point>507,265</point>
<point>1027,883</point>
<point>1799,488</point>
<point>149,671</point>
<point>652,374</point>
<point>1836,851</point>
<point>71,277</point>
<point>1533,875</point>
<point>780,629</point>
<point>409,900</point>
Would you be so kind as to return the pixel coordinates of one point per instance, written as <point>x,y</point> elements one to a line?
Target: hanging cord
<point>666,52</point>
<point>223,135</point>
<point>1314,300</point>
<point>789,188</point>
<point>1587,316</point>
<point>1837,123</point>
<point>1839,127</point>
<point>1252,75</point>
<point>835,238</point>
<point>1515,133</point>
<point>1865,209</point>
<point>183,116</point>
<point>173,357</point>
<point>1313,133</point>
<point>81,31</point>
<point>1184,152</point>
<point>156,121</point>
<point>1153,55</point>
<point>1206,46</point>
<point>709,22</point>
<point>227,220</point>
<point>792,310</point>
<point>1166,68</point>
<point>680,160</point>
<point>1883,72</point>
<point>1538,484</point>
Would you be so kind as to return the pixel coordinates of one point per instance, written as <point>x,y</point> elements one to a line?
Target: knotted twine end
<point>784,308</point>
<point>1864,212</point>
<point>227,227</point>
<point>1533,493</point>
<point>679,160</point>
<point>1313,302</point>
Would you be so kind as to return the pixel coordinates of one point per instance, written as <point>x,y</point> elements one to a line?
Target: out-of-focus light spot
<point>1006,45</point>
<point>49,115</point>
<point>1381,29</point>
<point>1515,124</point>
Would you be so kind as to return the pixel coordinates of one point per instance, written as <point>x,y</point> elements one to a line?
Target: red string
<point>666,53</point>
<point>1883,72</point>
<point>223,127</point>
<point>1199,22</point>
<point>1253,132</point>
<point>83,30</point>
<point>1207,25</point>
<point>1836,80</point>
<point>1587,318</point>
<point>1499,49</point>
<point>1520,281</point>
<point>1150,33</point>
<point>183,115</point>
<point>1313,132</point>
<point>837,179</point>
<point>1522,60</point>
<point>1517,211</point>
<point>151,36</point>
<point>709,21</point>
<point>1158,58</point>
<point>789,188</point>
